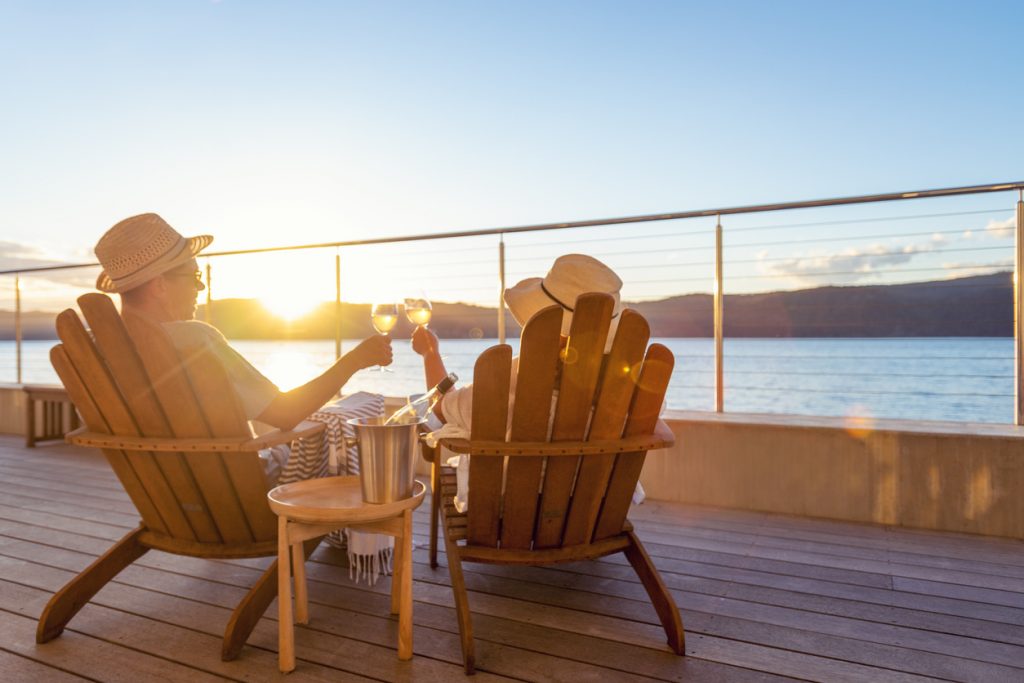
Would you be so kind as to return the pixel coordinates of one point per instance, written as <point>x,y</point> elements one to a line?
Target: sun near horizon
<point>287,306</point>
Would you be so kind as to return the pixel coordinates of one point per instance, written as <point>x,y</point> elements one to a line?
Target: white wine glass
<point>384,318</point>
<point>418,310</point>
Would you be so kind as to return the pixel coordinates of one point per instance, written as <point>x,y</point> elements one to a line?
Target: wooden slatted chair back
<point>546,502</point>
<point>127,378</point>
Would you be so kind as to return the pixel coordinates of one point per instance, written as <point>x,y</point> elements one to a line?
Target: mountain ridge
<point>975,306</point>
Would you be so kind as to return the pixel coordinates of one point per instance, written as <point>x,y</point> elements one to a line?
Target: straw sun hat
<point>570,276</point>
<point>140,248</point>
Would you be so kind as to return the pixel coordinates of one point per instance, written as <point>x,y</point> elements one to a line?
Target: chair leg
<point>461,604</point>
<point>435,508</point>
<point>664,605</point>
<point>250,610</point>
<point>80,590</point>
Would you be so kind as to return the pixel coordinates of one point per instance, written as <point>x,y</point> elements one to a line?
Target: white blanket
<point>369,555</point>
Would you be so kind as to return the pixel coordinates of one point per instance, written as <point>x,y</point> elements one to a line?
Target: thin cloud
<point>995,230</point>
<point>958,270</point>
<point>16,249</point>
<point>20,256</point>
<point>850,265</point>
<point>1001,230</point>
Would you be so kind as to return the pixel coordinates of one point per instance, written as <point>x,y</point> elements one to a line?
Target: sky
<point>268,123</point>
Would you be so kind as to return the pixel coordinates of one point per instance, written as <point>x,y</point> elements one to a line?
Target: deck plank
<point>763,597</point>
<point>97,657</point>
<point>26,670</point>
<point>881,549</point>
<point>812,633</point>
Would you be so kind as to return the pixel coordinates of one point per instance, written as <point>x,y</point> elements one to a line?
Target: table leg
<point>405,606</point>
<point>396,575</point>
<point>299,572</point>
<point>286,629</point>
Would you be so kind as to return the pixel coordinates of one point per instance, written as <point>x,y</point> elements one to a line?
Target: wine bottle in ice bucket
<point>413,411</point>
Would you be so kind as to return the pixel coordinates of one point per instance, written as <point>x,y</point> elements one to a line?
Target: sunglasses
<point>196,275</point>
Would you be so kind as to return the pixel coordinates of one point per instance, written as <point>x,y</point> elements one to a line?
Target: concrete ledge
<point>856,424</point>
<point>930,475</point>
<point>13,404</point>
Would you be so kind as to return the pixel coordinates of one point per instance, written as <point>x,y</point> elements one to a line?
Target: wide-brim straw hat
<point>569,276</point>
<point>139,249</point>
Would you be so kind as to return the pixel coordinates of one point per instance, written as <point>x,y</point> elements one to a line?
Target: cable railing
<point>742,258</point>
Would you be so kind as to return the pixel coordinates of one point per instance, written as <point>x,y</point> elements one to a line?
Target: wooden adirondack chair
<point>561,495</point>
<point>175,434</point>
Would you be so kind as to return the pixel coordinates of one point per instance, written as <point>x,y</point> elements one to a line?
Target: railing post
<point>719,301</point>
<point>208,310</point>
<point>17,324</point>
<point>337,303</point>
<point>1018,315</point>
<point>501,291</point>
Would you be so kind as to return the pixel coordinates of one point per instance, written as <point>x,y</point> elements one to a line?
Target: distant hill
<point>247,319</point>
<point>979,306</point>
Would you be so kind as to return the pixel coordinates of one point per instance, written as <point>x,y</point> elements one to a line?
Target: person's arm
<point>425,343</point>
<point>289,408</point>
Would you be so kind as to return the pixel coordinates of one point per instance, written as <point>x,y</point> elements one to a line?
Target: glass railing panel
<point>890,310</point>
<point>8,351</point>
<point>43,294</point>
<point>810,322</point>
<point>665,267</point>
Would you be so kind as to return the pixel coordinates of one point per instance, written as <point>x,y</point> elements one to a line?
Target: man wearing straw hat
<point>154,270</point>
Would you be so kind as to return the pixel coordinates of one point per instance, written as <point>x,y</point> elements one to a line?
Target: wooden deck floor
<point>763,597</point>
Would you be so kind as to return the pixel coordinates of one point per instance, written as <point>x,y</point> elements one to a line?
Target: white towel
<point>369,554</point>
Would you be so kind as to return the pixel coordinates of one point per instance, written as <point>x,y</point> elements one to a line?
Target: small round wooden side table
<point>307,509</point>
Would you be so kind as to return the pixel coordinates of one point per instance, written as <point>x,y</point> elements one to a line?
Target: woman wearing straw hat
<point>569,276</point>
<point>154,270</point>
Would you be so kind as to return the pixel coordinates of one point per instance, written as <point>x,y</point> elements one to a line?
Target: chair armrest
<point>664,432</point>
<point>662,438</point>
<point>83,437</point>
<point>429,452</point>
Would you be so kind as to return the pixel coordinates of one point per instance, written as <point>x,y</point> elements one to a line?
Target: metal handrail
<point>719,288</point>
<point>646,218</point>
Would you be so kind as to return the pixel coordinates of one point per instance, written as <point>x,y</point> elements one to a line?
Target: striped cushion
<point>311,458</point>
<point>327,456</point>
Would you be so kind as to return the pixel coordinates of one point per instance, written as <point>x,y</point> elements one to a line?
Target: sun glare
<point>289,369</point>
<point>288,307</point>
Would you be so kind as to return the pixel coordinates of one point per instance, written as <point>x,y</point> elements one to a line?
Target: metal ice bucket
<point>387,457</point>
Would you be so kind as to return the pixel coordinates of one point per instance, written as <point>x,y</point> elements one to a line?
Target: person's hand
<point>424,342</point>
<point>375,350</point>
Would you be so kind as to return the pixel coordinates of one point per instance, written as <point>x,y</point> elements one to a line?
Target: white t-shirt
<point>253,388</point>
<point>457,407</point>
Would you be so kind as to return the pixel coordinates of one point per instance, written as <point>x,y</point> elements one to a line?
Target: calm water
<point>967,379</point>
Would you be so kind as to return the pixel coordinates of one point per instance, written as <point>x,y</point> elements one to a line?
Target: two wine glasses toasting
<point>385,316</point>
<point>418,310</point>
